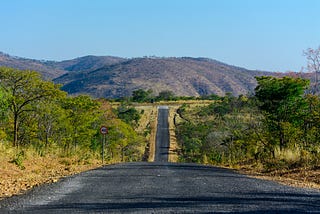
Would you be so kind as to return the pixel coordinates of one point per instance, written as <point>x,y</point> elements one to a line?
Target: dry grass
<point>150,117</point>
<point>188,102</point>
<point>173,150</point>
<point>299,177</point>
<point>36,170</point>
<point>145,117</point>
<point>148,121</point>
<point>152,139</point>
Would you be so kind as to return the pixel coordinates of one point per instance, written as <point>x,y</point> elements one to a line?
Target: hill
<point>111,77</point>
<point>88,63</point>
<point>184,76</point>
<point>54,69</point>
<point>47,69</point>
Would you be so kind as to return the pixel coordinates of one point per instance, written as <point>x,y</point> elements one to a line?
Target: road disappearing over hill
<point>162,187</point>
<point>162,137</point>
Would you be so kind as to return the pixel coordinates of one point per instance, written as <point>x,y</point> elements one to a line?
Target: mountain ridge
<point>185,76</point>
<point>112,77</point>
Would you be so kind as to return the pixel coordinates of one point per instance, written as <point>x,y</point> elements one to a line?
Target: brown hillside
<point>184,76</point>
<point>53,69</point>
<point>46,68</point>
<point>88,63</point>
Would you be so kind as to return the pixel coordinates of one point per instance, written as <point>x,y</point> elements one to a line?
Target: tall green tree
<point>83,117</point>
<point>280,99</point>
<point>25,89</point>
<point>51,120</point>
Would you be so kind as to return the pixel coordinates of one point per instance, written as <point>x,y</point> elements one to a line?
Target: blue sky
<point>255,34</point>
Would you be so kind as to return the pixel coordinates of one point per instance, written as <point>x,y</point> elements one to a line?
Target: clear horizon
<point>268,35</point>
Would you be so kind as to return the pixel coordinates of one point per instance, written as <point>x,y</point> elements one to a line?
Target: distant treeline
<point>147,96</point>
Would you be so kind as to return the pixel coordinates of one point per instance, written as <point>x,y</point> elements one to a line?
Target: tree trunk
<point>15,130</point>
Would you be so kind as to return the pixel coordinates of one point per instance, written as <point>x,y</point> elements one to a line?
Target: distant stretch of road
<point>162,137</point>
<point>162,187</point>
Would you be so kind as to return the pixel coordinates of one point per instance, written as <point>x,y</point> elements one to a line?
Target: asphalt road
<point>162,137</point>
<point>163,187</point>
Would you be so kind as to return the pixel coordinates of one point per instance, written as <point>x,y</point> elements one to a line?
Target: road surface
<point>162,187</point>
<point>162,137</point>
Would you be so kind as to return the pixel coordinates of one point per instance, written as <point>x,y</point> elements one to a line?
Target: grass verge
<point>297,177</point>
<point>173,149</point>
<point>33,170</point>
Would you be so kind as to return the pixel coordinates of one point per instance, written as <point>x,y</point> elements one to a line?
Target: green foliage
<point>18,160</point>
<point>82,115</point>
<point>25,89</point>
<point>4,107</point>
<point>39,115</point>
<point>166,95</point>
<point>277,93</point>
<point>224,133</point>
<point>210,97</point>
<point>123,143</point>
<point>4,104</point>
<point>141,95</point>
<point>281,100</point>
<point>278,127</point>
<point>147,96</point>
<point>128,114</point>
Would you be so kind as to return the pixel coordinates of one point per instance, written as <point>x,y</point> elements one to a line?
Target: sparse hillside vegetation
<point>52,69</point>
<point>184,76</point>
<point>47,69</point>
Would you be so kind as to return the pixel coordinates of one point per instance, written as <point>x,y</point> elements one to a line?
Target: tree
<point>166,95</point>
<point>141,95</point>
<point>50,118</point>
<point>128,114</point>
<point>313,57</point>
<point>280,100</point>
<point>310,115</point>
<point>3,104</point>
<point>124,144</point>
<point>3,112</point>
<point>25,89</point>
<point>82,115</point>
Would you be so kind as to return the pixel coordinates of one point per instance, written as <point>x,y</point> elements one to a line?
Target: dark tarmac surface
<point>162,187</point>
<point>162,137</point>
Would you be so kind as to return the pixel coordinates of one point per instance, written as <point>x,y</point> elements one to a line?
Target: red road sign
<point>104,130</point>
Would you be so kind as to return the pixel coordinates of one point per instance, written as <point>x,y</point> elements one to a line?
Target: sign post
<point>104,132</point>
